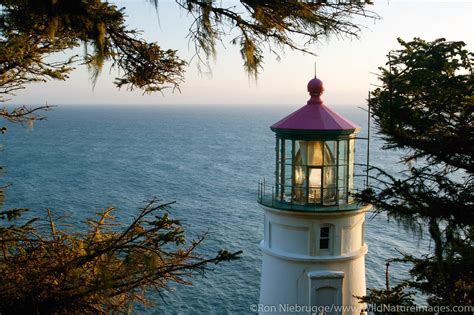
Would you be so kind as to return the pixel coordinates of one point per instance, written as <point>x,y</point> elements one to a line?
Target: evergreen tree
<point>108,268</point>
<point>424,109</point>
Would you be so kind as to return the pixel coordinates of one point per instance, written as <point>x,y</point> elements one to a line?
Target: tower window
<point>324,238</point>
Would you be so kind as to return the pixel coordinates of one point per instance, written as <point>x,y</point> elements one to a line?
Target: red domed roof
<point>315,115</point>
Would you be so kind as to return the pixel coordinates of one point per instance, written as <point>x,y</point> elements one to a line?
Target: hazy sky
<point>345,65</point>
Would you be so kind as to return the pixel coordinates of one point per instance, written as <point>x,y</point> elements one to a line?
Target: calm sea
<point>207,159</point>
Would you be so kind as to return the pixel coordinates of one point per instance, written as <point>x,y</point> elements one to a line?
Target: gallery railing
<point>267,196</point>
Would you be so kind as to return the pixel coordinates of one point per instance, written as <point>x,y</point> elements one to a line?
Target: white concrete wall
<point>291,257</point>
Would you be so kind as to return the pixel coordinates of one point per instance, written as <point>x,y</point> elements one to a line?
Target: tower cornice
<point>314,259</point>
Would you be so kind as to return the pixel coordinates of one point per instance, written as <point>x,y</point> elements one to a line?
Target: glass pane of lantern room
<point>277,166</point>
<point>342,154</point>
<point>286,169</point>
<point>342,184</point>
<point>350,177</point>
<point>301,153</point>
<point>314,185</point>
<point>329,184</point>
<point>281,153</point>
<point>288,151</point>
<point>315,153</point>
<point>299,184</point>
<point>281,181</point>
<point>288,173</point>
<point>329,153</point>
<point>281,173</point>
<point>299,175</point>
<point>288,181</point>
<point>299,195</point>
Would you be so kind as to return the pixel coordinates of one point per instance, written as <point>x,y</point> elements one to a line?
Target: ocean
<point>206,158</point>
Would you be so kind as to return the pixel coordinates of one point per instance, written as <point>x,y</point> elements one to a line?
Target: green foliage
<point>448,281</point>
<point>383,301</point>
<point>107,268</point>
<point>33,32</point>
<point>425,107</point>
<point>257,24</point>
<point>426,103</point>
<point>387,299</point>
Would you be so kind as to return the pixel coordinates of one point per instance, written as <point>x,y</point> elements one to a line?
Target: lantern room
<point>314,169</point>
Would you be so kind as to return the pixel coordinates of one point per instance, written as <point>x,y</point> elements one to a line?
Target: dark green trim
<point>294,134</point>
<point>293,152</point>
<point>337,172</point>
<point>277,163</point>
<point>274,204</point>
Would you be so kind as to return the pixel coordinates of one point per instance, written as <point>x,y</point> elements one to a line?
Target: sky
<point>346,66</point>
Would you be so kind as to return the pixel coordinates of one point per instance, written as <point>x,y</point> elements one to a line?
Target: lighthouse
<point>313,246</point>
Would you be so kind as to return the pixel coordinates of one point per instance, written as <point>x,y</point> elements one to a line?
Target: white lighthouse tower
<point>313,246</point>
